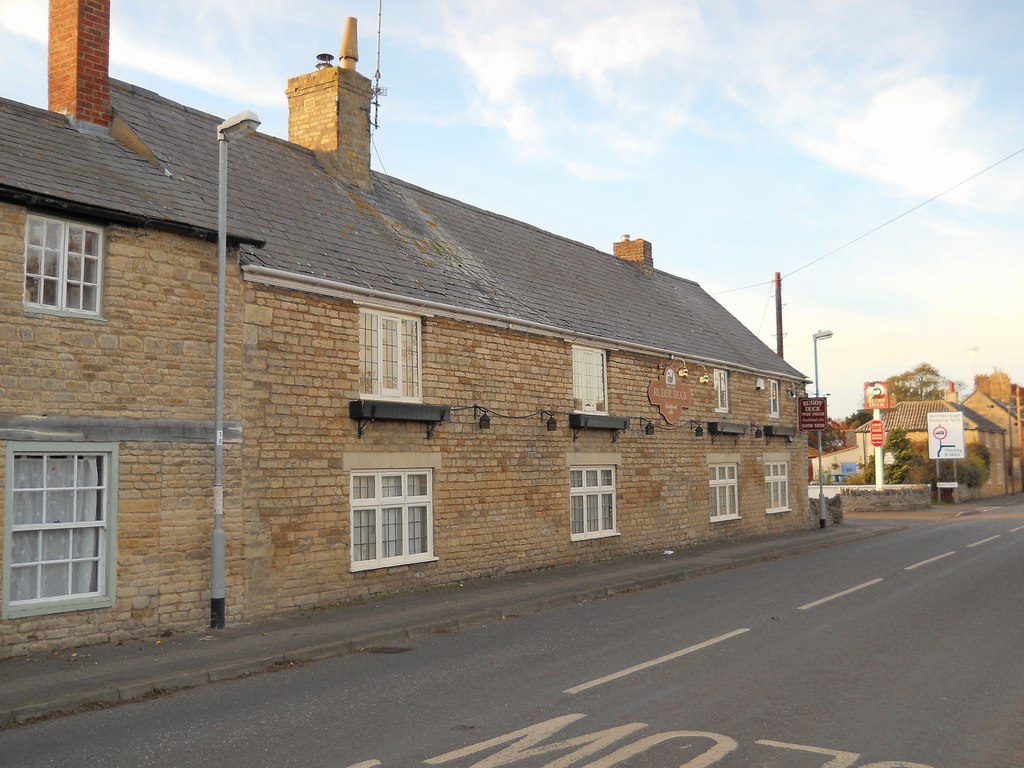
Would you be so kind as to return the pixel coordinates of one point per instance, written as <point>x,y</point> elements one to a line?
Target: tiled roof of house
<point>48,162</point>
<point>395,238</point>
<point>912,416</point>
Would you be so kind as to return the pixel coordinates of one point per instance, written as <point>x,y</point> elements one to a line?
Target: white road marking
<point>929,560</point>
<point>984,541</point>
<point>367,764</point>
<point>655,662</point>
<point>816,603</point>
<point>842,759</point>
<point>987,509</point>
<point>1018,528</point>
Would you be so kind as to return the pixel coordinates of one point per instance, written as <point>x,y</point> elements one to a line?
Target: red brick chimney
<point>638,252</point>
<point>79,59</point>
<point>329,112</point>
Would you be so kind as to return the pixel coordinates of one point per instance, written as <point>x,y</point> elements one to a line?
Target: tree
<point>833,438</point>
<point>921,383</point>
<point>906,458</point>
<point>857,418</point>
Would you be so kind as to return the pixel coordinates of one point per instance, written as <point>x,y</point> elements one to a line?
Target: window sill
<point>725,518</point>
<point>595,535</point>
<point>62,605</point>
<point>778,511</point>
<point>397,562</point>
<point>42,309</point>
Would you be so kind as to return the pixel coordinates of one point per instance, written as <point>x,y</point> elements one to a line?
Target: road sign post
<point>876,397</point>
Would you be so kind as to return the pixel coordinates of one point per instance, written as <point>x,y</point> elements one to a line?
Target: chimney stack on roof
<point>637,251</point>
<point>329,113</point>
<point>79,60</point>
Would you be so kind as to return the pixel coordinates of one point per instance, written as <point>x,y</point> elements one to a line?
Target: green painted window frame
<point>108,564</point>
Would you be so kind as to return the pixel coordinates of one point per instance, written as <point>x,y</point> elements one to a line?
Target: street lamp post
<point>239,125</point>
<point>819,336</point>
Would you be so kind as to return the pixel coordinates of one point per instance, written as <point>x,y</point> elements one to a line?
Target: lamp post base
<point>217,611</point>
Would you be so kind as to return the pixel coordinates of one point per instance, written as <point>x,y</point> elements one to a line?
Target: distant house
<point>912,417</point>
<point>417,391</point>
<point>1000,401</point>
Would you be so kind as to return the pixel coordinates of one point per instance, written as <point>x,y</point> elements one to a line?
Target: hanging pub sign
<point>670,394</point>
<point>876,395</point>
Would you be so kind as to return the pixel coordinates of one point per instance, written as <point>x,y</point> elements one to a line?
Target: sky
<point>872,153</point>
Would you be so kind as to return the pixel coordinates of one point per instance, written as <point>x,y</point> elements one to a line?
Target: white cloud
<point>25,18</point>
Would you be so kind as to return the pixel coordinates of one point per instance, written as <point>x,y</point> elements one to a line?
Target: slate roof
<point>912,416</point>
<point>396,238</point>
<point>47,161</point>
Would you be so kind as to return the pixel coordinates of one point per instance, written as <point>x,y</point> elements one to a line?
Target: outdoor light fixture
<point>241,124</point>
<point>552,423</point>
<point>758,432</point>
<point>648,426</point>
<point>485,420</point>
<point>698,430</point>
<point>819,336</point>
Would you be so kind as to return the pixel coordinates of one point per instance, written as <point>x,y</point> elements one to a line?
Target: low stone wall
<point>867,498</point>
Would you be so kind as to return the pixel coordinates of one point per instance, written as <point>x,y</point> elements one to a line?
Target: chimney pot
<point>349,45</point>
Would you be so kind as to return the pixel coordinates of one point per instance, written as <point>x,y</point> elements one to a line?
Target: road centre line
<point>816,603</point>
<point>1018,528</point>
<point>655,662</point>
<point>929,560</point>
<point>984,541</point>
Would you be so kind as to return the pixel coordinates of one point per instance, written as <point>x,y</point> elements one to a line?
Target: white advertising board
<point>946,435</point>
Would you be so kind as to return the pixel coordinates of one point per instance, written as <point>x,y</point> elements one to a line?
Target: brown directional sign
<point>813,414</point>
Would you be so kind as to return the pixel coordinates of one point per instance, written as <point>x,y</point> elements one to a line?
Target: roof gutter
<point>326,287</point>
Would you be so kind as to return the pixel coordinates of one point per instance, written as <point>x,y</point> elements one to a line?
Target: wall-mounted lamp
<point>698,430</point>
<point>551,423</point>
<point>648,426</point>
<point>758,432</point>
<point>485,419</point>
<point>683,372</point>
<point>759,384</point>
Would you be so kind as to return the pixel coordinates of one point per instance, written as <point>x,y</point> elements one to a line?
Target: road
<point>900,651</point>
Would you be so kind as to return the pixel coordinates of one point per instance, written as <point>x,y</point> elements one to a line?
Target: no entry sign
<point>877,433</point>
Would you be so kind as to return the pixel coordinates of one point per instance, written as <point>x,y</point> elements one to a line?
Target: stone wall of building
<point>143,372</point>
<point>501,495</point>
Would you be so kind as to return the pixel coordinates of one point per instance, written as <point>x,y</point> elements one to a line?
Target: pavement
<point>49,684</point>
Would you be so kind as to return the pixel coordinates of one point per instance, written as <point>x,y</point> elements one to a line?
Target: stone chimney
<point>329,113</point>
<point>638,252</point>
<point>79,59</point>
<point>951,396</point>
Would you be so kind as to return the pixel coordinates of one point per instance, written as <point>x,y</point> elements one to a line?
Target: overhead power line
<point>880,226</point>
